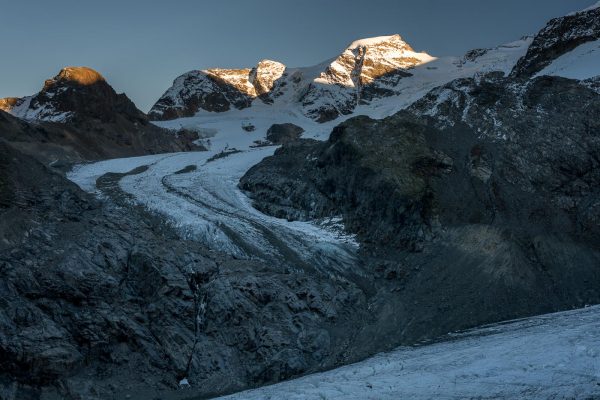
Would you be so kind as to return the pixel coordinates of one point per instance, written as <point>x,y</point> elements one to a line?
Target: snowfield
<point>555,356</point>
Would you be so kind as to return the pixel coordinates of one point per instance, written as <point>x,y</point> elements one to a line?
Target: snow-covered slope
<point>24,108</point>
<point>555,356</point>
<point>581,63</point>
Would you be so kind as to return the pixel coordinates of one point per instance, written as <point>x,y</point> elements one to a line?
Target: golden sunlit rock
<point>8,103</point>
<point>81,75</point>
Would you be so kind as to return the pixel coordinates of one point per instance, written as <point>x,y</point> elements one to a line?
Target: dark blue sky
<point>141,46</point>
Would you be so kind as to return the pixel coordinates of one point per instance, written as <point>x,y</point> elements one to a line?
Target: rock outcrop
<point>284,133</point>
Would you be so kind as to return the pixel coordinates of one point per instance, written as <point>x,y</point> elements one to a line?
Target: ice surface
<point>556,356</point>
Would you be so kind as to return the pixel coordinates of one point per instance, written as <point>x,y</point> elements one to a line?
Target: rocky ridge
<point>78,116</point>
<point>219,90</point>
<point>558,37</point>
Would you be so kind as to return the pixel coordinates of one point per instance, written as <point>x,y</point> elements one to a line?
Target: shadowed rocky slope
<point>477,205</point>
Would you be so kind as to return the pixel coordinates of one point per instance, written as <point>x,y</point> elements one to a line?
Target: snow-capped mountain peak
<point>366,60</point>
<point>367,68</point>
<point>44,106</point>
<point>218,90</point>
